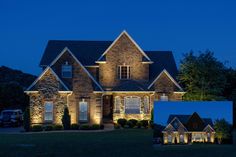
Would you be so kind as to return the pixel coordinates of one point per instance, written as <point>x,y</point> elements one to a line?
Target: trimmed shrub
<point>122,122</point>
<point>85,127</point>
<point>101,126</point>
<point>151,124</point>
<point>57,127</point>
<point>130,124</point>
<point>144,123</point>
<point>95,127</point>
<point>74,127</point>
<point>139,124</point>
<point>134,121</point>
<point>48,128</point>
<point>117,126</point>
<point>66,119</point>
<point>26,121</point>
<point>37,128</point>
<point>126,126</point>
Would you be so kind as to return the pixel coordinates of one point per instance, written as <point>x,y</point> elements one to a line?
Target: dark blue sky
<point>206,109</point>
<point>180,26</point>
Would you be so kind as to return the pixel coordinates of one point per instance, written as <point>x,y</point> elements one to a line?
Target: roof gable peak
<point>42,74</point>
<point>124,32</point>
<point>169,76</point>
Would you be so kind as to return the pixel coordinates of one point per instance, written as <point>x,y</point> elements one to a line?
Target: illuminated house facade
<point>183,129</point>
<point>101,81</point>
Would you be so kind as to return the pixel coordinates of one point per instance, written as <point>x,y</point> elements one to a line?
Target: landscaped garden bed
<point>132,123</point>
<point>57,127</point>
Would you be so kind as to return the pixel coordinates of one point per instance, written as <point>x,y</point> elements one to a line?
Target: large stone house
<point>101,81</point>
<point>183,129</point>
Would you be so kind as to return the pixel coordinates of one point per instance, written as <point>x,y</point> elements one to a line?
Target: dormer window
<point>66,70</point>
<point>124,72</point>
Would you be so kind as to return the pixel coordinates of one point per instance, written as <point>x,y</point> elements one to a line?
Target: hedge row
<point>132,123</point>
<point>37,128</point>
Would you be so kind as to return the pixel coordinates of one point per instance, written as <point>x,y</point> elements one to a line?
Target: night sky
<point>211,109</point>
<point>180,26</point>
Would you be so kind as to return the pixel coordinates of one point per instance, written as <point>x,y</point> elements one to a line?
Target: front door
<point>83,111</point>
<point>107,108</point>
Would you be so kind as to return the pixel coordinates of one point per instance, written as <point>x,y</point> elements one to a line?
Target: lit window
<point>169,139</point>
<point>181,138</point>
<point>117,104</point>
<point>124,72</point>
<point>132,105</point>
<point>146,104</point>
<point>66,71</point>
<point>164,97</point>
<point>48,111</point>
<point>83,111</point>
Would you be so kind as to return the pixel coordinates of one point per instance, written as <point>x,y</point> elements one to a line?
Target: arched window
<point>146,104</point>
<point>117,104</point>
<point>132,105</point>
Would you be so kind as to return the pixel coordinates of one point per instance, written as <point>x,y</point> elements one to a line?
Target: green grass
<point>117,143</point>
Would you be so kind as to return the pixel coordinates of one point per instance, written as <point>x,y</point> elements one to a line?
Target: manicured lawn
<point>117,143</point>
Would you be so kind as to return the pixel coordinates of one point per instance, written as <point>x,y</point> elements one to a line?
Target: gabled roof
<point>86,52</point>
<point>184,119</point>
<point>63,87</point>
<point>86,71</point>
<point>162,60</point>
<point>131,39</point>
<point>168,75</point>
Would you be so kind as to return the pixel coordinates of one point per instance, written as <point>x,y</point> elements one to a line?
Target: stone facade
<point>47,87</point>
<point>82,89</point>
<point>82,86</point>
<point>124,52</point>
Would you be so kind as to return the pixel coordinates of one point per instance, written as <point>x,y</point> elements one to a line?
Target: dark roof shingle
<point>87,52</point>
<point>184,119</point>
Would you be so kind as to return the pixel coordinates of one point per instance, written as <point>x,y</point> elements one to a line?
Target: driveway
<point>10,130</point>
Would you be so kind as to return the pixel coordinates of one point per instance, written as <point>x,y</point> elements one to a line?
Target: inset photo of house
<point>190,122</point>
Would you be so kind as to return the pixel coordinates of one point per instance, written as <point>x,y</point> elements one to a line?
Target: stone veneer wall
<point>47,89</point>
<point>82,87</point>
<point>122,52</point>
<point>164,84</point>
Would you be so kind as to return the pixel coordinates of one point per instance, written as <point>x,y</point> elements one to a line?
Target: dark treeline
<point>204,77</point>
<point>12,86</point>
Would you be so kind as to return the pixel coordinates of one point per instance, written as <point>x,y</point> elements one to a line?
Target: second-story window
<point>124,72</point>
<point>66,70</point>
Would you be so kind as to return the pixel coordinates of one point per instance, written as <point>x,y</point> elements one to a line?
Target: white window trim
<point>48,102</point>
<point>148,104</point>
<point>139,104</point>
<point>117,110</point>
<point>128,72</point>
